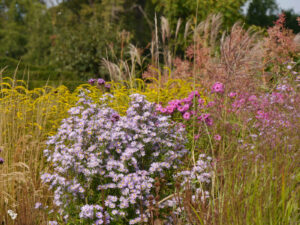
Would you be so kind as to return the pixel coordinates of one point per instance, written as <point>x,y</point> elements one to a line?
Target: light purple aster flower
<point>52,223</point>
<point>101,81</point>
<point>92,81</point>
<point>38,205</point>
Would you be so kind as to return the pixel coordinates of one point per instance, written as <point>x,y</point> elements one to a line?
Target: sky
<point>288,4</point>
<point>284,4</point>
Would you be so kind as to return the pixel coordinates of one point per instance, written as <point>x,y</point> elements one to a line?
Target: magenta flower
<point>163,110</point>
<point>197,137</point>
<point>158,107</point>
<point>252,98</point>
<point>170,108</point>
<point>206,118</point>
<point>1,160</point>
<point>217,137</point>
<point>108,86</point>
<point>194,93</point>
<point>232,94</point>
<point>200,101</point>
<point>211,104</point>
<point>217,88</point>
<point>183,108</point>
<point>186,116</point>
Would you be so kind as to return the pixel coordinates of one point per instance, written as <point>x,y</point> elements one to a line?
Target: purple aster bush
<point>105,165</point>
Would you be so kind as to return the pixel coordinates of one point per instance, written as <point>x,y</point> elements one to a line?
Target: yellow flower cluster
<point>44,108</point>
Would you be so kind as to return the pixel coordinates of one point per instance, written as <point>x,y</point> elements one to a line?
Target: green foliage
<point>262,12</point>
<point>174,9</point>
<point>38,76</point>
<point>83,38</point>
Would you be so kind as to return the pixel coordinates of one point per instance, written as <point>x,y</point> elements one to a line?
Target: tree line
<point>76,34</point>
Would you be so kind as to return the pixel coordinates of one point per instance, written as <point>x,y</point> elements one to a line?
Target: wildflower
<point>186,116</point>
<point>100,81</point>
<point>111,155</point>
<point>218,88</point>
<point>1,160</point>
<point>289,67</point>
<point>38,205</point>
<point>200,101</point>
<point>170,109</point>
<point>52,222</point>
<point>115,117</point>
<point>108,86</point>
<point>92,81</point>
<point>12,214</point>
<point>217,137</point>
<point>197,137</point>
<point>232,94</point>
<point>87,211</point>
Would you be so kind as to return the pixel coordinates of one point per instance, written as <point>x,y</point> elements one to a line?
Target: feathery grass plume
<point>240,56</point>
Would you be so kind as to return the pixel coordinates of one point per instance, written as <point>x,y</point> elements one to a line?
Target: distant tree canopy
<point>263,13</point>
<point>76,34</point>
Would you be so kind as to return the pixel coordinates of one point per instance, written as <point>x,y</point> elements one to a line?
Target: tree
<point>187,9</point>
<point>82,38</point>
<point>262,13</point>
<point>14,31</point>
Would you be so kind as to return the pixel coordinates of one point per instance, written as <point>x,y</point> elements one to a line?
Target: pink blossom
<point>252,98</point>
<point>232,94</point>
<point>170,108</point>
<point>183,108</point>
<point>186,116</point>
<point>217,137</point>
<point>197,137</point>
<point>163,110</point>
<point>200,101</point>
<point>217,88</point>
<point>158,107</point>
<point>211,104</point>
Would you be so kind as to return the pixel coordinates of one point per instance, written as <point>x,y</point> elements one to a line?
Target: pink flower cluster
<point>187,110</point>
